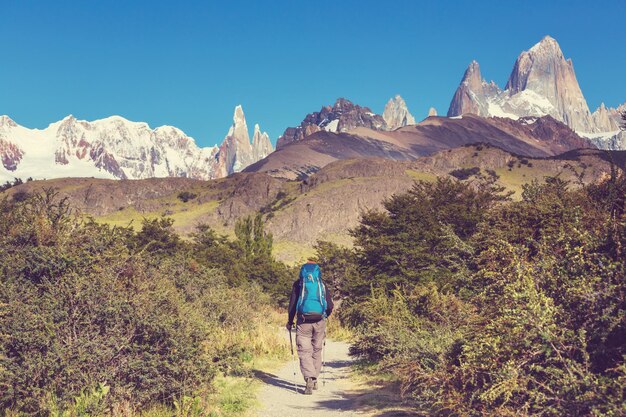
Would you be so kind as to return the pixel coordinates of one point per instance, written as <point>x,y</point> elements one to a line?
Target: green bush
<point>84,304</point>
<point>422,236</point>
<point>497,309</point>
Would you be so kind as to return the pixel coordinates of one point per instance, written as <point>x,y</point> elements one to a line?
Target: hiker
<point>311,302</point>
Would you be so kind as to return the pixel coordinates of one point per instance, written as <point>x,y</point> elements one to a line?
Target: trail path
<point>279,399</point>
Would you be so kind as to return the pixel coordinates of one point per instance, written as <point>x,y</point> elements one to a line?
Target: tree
<point>422,236</point>
<point>338,265</point>
<point>157,236</point>
<point>252,238</point>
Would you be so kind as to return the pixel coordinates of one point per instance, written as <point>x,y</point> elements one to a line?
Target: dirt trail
<point>279,399</point>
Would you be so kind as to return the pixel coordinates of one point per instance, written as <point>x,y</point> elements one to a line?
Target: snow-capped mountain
<point>608,122</point>
<point>118,148</point>
<point>542,82</point>
<point>397,114</point>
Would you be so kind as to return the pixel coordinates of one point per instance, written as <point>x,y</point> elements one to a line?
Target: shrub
<point>84,304</point>
<point>11,184</point>
<point>514,310</point>
<point>421,237</point>
<point>185,196</point>
<point>20,196</point>
<point>464,173</point>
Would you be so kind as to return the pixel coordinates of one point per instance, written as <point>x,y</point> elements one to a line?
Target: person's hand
<point>289,326</point>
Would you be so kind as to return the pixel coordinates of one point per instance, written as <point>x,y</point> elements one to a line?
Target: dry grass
<point>336,331</point>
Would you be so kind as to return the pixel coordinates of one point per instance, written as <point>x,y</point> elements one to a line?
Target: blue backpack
<point>312,299</point>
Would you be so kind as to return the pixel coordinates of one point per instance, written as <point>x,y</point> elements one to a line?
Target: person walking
<point>310,304</point>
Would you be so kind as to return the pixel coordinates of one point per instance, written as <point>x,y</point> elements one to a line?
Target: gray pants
<point>310,340</point>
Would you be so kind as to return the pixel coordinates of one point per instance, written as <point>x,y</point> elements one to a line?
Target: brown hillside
<point>531,137</point>
<point>323,206</point>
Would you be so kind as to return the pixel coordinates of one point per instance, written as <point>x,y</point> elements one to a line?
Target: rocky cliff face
<point>397,114</point>
<point>341,117</point>
<point>608,122</point>
<point>261,144</point>
<point>473,93</point>
<point>542,82</point>
<point>118,148</point>
<point>236,151</point>
<point>544,70</point>
<point>608,119</point>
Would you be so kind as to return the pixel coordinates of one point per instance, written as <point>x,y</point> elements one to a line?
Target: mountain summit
<point>542,82</point>
<point>397,114</point>
<point>544,70</point>
<point>341,117</point>
<point>472,94</point>
<point>236,151</point>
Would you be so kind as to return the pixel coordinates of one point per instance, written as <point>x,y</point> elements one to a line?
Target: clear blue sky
<point>189,63</point>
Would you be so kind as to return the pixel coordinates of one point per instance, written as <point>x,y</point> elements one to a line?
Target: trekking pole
<point>293,362</point>
<point>324,365</point>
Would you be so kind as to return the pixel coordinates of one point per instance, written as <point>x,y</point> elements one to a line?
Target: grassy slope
<point>186,215</point>
<point>183,214</point>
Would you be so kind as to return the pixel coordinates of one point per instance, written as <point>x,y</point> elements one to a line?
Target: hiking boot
<point>314,383</point>
<point>309,386</point>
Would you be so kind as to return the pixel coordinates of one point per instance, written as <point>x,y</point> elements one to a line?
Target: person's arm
<point>293,301</point>
<point>329,302</point>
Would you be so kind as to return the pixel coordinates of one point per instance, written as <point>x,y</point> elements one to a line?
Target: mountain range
<point>542,82</point>
<point>540,112</point>
<point>326,204</point>
<point>121,149</point>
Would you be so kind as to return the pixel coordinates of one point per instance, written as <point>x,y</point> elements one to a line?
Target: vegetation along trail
<point>278,397</point>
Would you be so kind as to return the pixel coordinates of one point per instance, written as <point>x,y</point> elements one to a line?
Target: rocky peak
<point>547,45</point>
<point>261,144</point>
<point>68,120</point>
<point>432,112</point>
<point>543,70</point>
<point>341,117</point>
<point>397,114</point>
<point>544,56</point>
<point>239,128</point>
<point>542,82</point>
<point>473,93</point>
<point>608,119</point>
<point>342,105</point>
<point>602,119</point>
<point>472,77</point>
<point>236,152</point>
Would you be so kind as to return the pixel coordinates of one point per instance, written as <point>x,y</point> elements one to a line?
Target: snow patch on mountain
<point>115,147</point>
